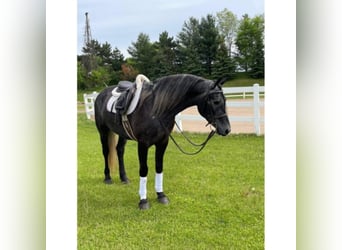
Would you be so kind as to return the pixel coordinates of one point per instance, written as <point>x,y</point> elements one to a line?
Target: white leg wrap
<point>142,188</point>
<point>159,182</point>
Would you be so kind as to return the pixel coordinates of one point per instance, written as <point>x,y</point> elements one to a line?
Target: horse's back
<point>100,103</point>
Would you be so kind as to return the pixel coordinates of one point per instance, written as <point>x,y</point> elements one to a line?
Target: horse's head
<point>213,109</point>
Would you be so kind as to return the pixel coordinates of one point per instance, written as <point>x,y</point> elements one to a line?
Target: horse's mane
<point>169,91</point>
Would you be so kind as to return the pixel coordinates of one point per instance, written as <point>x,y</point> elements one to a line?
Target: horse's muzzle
<point>223,132</point>
<point>222,126</point>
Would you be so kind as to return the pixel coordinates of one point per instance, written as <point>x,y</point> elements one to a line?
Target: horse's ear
<point>219,82</point>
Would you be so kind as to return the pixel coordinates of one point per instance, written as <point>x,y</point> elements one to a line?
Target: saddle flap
<point>125,100</point>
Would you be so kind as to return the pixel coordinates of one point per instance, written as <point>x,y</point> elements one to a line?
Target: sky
<point>119,23</point>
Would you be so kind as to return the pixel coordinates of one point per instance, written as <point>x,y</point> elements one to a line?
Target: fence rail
<point>255,91</point>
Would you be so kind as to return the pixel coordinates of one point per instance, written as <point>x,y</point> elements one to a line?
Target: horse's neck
<point>192,98</point>
<point>193,101</point>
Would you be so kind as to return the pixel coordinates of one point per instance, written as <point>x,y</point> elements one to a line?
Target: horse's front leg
<point>160,150</point>
<point>142,152</point>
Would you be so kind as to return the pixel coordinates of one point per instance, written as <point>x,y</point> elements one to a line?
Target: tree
<point>250,44</point>
<point>197,45</point>
<point>208,43</point>
<point>117,59</point>
<point>128,72</point>
<point>105,54</point>
<point>99,65</point>
<point>212,47</point>
<point>81,76</point>
<point>224,66</point>
<point>90,52</point>
<point>187,49</point>
<point>227,26</point>
<point>165,58</point>
<point>100,77</point>
<point>244,42</point>
<point>258,64</point>
<point>143,52</point>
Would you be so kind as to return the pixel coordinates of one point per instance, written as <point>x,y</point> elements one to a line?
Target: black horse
<point>152,122</point>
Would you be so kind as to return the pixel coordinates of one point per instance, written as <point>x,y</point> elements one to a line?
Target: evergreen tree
<point>143,52</point>
<point>204,47</point>
<point>165,58</point>
<point>208,43</point>
<point>224,66</point>
<point>90,52</point>
<point>188,57</point>
<point>103,63</point>
<point>105,54</point>
<point>117,59</point>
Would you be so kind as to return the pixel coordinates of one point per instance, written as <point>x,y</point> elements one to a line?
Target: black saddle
<point>124,85</point>
<point>127,90</point>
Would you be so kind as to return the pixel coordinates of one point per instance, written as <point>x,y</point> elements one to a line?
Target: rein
<point>202,145</point>
<point>210,135</point>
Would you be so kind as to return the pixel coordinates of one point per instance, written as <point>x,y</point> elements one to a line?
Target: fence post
<point>86,105</point>
<point>179,121</point>
<point>89,103</point>
<point>256,105</point>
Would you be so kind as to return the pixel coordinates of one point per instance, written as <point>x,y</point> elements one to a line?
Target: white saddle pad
<point>140,79</point>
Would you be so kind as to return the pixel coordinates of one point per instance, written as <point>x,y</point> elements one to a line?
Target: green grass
<point>216,197</point>
<point>243,80</point>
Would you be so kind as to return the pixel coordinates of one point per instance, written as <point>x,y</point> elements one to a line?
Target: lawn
<point>216,197</point>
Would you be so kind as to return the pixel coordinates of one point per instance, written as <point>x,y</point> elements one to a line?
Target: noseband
<point>210,105</point>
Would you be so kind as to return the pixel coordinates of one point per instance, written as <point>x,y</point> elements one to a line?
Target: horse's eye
<point>216,102</point>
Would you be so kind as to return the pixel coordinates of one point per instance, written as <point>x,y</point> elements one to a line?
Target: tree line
<point>212,47</point>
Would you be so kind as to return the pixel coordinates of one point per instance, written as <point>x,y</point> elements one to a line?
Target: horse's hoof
<point>125,181</point>
<point>162,198</point>
<point>143,204</point>
<point>108,181</point>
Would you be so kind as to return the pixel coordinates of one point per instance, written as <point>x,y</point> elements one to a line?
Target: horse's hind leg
<point>120,148</point>
<point>105,152</point>
<point>108,141</point>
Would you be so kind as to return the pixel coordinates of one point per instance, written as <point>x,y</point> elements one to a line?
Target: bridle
<point>211,121</point>
<point>209,102</point>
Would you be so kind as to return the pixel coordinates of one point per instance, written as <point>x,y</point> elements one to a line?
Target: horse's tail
<point>112,156</point>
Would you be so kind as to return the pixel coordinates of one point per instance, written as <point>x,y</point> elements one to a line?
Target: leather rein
<point>202,145</point>
<point>211,121</point>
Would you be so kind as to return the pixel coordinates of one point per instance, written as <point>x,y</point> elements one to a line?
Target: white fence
<point>255,91</point>
<point>89,103</point>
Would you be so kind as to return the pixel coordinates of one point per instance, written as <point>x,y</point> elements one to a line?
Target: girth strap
<point>127,126</point>
<point>131,101</point>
